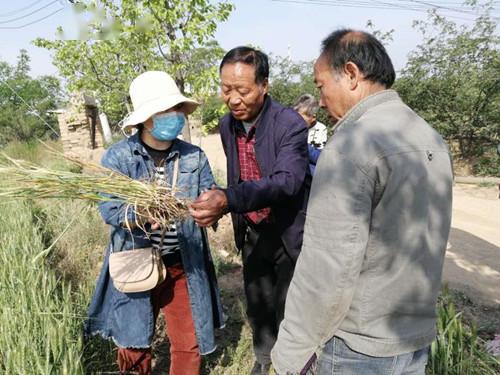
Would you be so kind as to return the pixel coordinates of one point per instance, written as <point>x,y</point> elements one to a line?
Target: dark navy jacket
<point>282,156</point>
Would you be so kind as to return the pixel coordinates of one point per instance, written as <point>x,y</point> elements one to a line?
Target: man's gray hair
<point>307,104</point>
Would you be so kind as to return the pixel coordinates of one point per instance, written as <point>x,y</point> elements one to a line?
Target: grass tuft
<point>458,350</point>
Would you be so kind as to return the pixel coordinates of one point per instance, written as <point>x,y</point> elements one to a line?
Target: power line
<point>8,14</point>
<point>402,5</point>
<point>450,6</point>
<point>30,23</point>
<point>33,110</point>
<point>29,14</point>
<point>351,4</point>
<point>438,6</point>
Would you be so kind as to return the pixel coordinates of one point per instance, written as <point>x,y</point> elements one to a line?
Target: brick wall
<point>75,130</point>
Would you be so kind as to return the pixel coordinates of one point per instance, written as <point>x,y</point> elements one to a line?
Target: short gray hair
<point>307,104</point>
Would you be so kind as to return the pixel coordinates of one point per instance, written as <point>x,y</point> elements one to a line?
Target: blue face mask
<point>167,126</point>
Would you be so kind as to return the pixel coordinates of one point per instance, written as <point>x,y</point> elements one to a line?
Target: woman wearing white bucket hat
<point>153,93</point>
<point>189,297</point>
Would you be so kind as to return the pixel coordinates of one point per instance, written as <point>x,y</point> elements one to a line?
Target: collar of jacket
<point>260,129</point>
<point>364,105</point>
<point>138,148</point>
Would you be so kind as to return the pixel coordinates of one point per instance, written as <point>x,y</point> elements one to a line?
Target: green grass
<point>487,165</point>
<point>41,316</point>
<point>35,152</point>
<point>44,299</point>
<point>458,350</point>
<point>487,184</point>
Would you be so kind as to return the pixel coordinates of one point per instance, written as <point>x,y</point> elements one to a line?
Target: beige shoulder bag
<point>139,270</point>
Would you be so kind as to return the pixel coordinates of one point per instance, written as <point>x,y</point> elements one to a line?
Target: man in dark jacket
<point>268,184</point>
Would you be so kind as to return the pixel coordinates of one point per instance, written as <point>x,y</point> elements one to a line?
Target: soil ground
<point>473,259</point>
<point>212,146</point>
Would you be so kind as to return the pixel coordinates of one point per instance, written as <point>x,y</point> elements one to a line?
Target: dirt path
<point>473,260</point>
<point>212,146</point>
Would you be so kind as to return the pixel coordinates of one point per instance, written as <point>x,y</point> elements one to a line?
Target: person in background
<point>307,106</point>
<point>268,183</point>
<point>364,292</point>
<point>188,297</point>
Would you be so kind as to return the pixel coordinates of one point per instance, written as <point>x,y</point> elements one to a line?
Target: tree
<point>452,80</point>
<point>122,41</point>
<point>212,109</point>
<point>290,80</point>
<point>25,103</point>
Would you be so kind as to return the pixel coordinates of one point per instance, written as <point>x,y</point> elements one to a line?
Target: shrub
<point>212,110</point>
<point>487,165</point>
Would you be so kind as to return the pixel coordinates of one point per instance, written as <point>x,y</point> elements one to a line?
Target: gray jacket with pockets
<point>375,236</point>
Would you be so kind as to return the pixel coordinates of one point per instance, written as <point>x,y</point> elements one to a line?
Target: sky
<point>282,28</point>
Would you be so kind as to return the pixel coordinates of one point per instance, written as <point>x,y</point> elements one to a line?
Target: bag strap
<point>174,183</point>
<point>176,172</point>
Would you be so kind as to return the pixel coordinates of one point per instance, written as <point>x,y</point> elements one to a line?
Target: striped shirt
<point>170,243</point>
<point>169,248</point>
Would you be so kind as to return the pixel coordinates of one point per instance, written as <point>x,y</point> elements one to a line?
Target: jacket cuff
<point>295,364</point>
<point>280,364</point>
<point>232,204</point>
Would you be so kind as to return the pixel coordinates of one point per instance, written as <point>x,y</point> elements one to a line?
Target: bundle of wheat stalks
<point>149,200</point>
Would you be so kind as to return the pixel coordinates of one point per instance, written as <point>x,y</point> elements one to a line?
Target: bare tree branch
<point>166,57</point>
<point>98,77</point>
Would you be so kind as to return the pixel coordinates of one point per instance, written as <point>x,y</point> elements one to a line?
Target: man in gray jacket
<point>364,290</point>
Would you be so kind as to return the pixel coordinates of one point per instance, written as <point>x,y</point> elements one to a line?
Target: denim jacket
<point>127,318</point>
<point>377,224</point>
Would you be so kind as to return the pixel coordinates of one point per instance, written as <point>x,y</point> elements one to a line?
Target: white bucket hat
<point>154,92</point>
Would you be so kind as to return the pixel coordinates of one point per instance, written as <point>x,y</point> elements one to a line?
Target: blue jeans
<point>338,358</point>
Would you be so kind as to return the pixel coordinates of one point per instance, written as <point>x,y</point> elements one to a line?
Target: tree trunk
<point>461,146</point>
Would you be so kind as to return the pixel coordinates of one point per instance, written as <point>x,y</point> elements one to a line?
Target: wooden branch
<point>169,30</point>
<point>161,50</point>
<point>183,25</point>
<point>92,65</point>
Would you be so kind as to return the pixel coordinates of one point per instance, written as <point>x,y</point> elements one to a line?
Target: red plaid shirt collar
<point>249,168</point>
